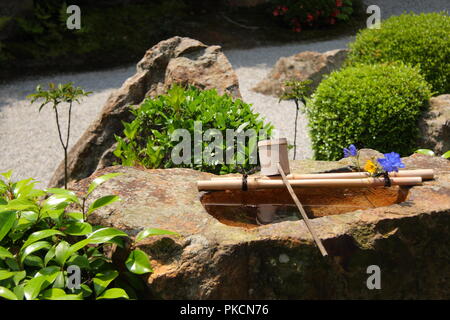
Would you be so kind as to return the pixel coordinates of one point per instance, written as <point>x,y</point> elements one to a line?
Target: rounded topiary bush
<point>419,40</point>
<point>376,106</point>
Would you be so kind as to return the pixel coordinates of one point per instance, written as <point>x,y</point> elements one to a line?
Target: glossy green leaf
<point>153,232</point>
<point>446,155</point>
<point>104,235</point>
<point>56,202</point>
<point>115,293</point>
<point>138,262</point>
<point>49,273</point>
<point>7,174</point>
<point>7,294</point>
<point>80,261</point>
<point>77,228</point>
<point>34,287</point>
<point>7,219</point>
<point>79,245</point>
<point>101,202</point>
<point>33,261</point>
<point>33,248</point>
<point>39,235</point>
<point>78,216</point>
<point>49,255</point>
<point>59,294</point>
<point>5,274</point>
<point>62,252</point>
<point>427,152</point>
<point>98,181</point>
<point>64,194</point>
<point>20,205</point>
<point>102,281</point>
<point>60,280</point>
<point>19,276</point>
<point>5,253</point>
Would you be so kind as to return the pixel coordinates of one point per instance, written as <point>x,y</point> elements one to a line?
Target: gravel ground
<point>29,139</point>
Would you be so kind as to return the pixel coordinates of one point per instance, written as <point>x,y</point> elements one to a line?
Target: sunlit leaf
<point>153,232</point>
<point>7,294</point>
<point>138,262</point>
<point>101,202</point>
<point>102,281</point>
<point>98,181</point>
<point>39,235</point>
<point>115,293</point>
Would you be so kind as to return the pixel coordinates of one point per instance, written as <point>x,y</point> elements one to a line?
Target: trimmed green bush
<point>419,40</point>
<point>376,106</point>
<point>149,139</point>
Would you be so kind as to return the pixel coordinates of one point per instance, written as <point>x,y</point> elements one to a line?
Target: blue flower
<point>350,151</point>
<point>391,162</point>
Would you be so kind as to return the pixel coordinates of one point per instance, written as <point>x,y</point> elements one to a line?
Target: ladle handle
<point>302,211</point>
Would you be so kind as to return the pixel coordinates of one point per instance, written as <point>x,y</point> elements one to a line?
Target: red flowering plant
<point>300,14</point>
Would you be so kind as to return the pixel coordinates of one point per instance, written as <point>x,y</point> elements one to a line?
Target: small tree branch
<point>68,126</point>
<point>59,128</point>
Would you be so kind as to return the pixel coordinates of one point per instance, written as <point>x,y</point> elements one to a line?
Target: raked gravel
<point>29,141</point>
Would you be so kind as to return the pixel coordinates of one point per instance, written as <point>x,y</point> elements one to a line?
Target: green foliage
<point>55,95</point>
<point>375,106</point>
<point>429,152</point>
<point>42,233</point>
<point>148,138</point>
<point>419,40</point>
<point>296,90</point>
<point>109,32</point>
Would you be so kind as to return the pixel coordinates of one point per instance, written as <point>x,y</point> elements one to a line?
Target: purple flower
<point>350,151</point>
<point>391,162</point>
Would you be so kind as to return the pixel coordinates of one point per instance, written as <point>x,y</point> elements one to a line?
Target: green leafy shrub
<point>419,40</point>
<point>43,233</point>
<point>376,106</point>
<point>110,32</point>
<point>148,138</point>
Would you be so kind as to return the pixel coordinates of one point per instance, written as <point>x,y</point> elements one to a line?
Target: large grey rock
<point>435,125</point>
<point>409,241</point>
<point>176,60</point>
<point>308,65</point>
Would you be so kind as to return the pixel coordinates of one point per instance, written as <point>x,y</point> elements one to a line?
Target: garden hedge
<point>374,106</point>
<point>419,40</point>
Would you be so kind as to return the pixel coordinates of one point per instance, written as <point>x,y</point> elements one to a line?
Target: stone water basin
<point>253,208</point>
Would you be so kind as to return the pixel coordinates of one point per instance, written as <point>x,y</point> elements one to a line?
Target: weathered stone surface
<point>176,60</point>
<point>435,125</point>
<point>409,241</point>
<point>302,66</point>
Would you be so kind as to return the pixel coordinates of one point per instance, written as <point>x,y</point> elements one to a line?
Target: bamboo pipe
<point>261,183</point>
<point>302,211</point>
<point>425,174</point>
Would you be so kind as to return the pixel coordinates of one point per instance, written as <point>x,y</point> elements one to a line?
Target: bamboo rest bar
<point>425,174</point>
<point>263,183</point>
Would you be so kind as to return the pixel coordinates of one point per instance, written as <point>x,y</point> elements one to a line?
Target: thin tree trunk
<point>63,145</point>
